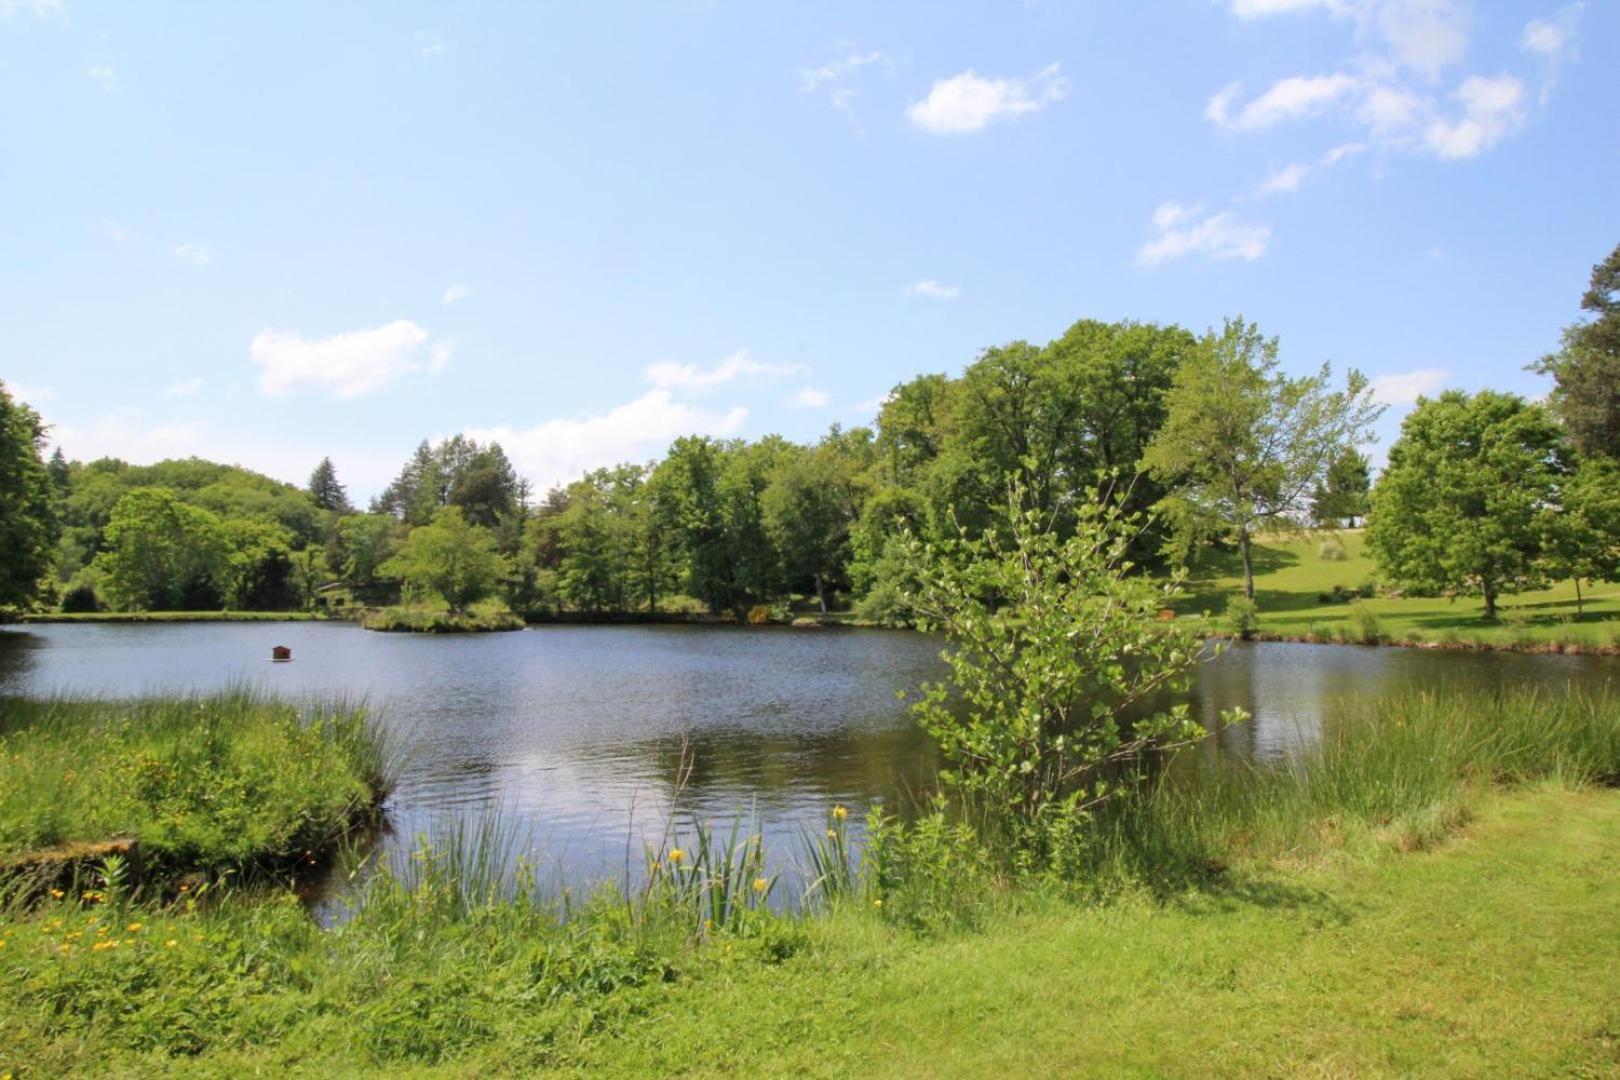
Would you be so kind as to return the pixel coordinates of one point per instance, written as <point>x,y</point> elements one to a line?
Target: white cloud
<point>871,406</point>
<point>439,356</point>
<point>194,253</point>
<point>1287,99</point>
<point>1404,388</point>
<point>933,290</point>
<point>1288,179</point>
<point>1186,230</point>
<point>811,79</point>
<point>105,77</point>
<point>971,102</point>
<point>457,292</point>
<point>123,435</point>
<point>345,365</point>
<point>429,46</point>
<point>1259,9</point>
<point>185,388</point>
<point>808,398</point>
<point>29,395</point>
<point>1425,35</point>
<point>1492,109</point>
<point>114,231</point>
<point>558,451</point>
<point>1552,41</point>
<point>741,364</point>
<point>40,8</point>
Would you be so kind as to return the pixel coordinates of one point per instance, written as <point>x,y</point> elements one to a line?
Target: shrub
<point>929,876</point>
<point>1052,640</point>
<point>1368,630</point>
<point>1332,550</point>
<point>1242,616</point>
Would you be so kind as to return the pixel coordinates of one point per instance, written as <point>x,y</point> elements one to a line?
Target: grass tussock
<point>198,784</point>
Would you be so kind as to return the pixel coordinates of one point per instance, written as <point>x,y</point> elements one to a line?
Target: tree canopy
<point>27,520</point>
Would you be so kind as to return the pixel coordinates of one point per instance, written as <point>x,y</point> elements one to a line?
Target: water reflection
<point>575,734</point>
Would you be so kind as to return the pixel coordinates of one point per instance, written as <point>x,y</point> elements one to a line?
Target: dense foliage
<point>27,521</point>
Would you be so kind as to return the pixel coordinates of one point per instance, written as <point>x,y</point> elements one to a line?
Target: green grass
<point>169,616</point>
<point>1291,575</point>
<point>1436,891</point>
<point>200,784</point>
<point>438,619</point>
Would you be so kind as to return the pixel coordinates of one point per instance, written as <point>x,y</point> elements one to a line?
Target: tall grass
<point>1398,769</point>
<point>211,783</point>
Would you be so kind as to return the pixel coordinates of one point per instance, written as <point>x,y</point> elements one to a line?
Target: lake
<point>573,733</point>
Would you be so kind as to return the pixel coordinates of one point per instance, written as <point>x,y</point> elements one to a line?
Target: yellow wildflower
<point>676,855</point>
<point>169,944</point>
<point>832,834</point>
<point>134,927</point>
<point>878,902</point>
<point>760,885</point>
<point>57,894</point>
<point>839,813</point>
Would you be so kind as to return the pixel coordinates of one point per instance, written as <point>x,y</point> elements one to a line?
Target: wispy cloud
<point>30,395</point>
<point>1404,388</point>
<point>930,289</point>
<point>429,45</point>
<point>457,293</point>
<point>196,254</point>
<point>1186,230</point>
<point>114,231</point>
<point>40,8</point>
<point>344,365</point>
<point>104,77</point>
<point>836,80</point>
<point>1552,42</point>
<point>1289,178</point>
<point>1287,99</point>
<point>808,398</point>
<point>185,388</point>
<point>126,434</point>
<point>741,364</point>
<point>970,102</point>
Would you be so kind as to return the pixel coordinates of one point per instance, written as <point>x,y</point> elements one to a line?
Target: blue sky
<point>267,233</point>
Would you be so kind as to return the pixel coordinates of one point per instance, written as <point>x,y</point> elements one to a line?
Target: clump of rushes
<point>834,873</point>
<point>231,782</point>
<point>716,883</point>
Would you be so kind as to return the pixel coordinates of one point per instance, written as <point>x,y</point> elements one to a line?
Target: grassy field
<point>204,784</point>
<point>1436,892</point>
<point>1292,576</point>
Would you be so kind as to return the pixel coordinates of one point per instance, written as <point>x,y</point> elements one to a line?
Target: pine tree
<point>326,491</point>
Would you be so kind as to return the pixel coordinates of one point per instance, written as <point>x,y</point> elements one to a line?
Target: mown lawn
<point>1492,955</point>
<point>1291,575</point>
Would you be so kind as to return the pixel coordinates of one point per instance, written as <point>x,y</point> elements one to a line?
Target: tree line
<point>1206,437</point>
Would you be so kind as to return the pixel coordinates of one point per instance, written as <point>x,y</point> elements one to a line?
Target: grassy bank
<point>1302,595</point>
<point>169,616</point>
<point>438,619</point>
<point>227,782</point>
<point>1441,871</point>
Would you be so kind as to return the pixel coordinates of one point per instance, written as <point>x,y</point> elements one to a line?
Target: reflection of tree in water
<point>859,766</point>
<point>16,658</point>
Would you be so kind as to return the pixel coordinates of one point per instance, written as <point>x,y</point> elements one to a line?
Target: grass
<point>169,616</point>
<point>228,782</point>
<point>439,619</point>
<point>1437,890</point>
<point>1292,576</point>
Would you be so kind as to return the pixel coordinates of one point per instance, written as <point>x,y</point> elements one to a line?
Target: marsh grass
<point>232,781</point>
<point>1401,770</point>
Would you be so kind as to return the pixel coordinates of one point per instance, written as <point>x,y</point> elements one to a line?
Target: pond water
<point>574,734</point>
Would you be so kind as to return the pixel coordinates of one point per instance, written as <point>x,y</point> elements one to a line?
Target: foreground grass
<point>1436,890</point>
<point>200,784</point>
<point>1291,578</point>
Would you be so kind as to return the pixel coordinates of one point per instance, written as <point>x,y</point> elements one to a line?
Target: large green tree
<point>810,504</point>
<point>450,558</point>
<point>27,523</point>
<point>1471,497</point>
<point>163,554</point>
<point>1244,444</point>
<point>328,493</point>
<point>1343,495</point>
<point>1586,370</point>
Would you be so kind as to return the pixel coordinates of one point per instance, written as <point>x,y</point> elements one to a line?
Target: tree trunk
<point>821,595</point>
<point>1577,598</point>
<point>1490,601</point>
<point>1248,563</point>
